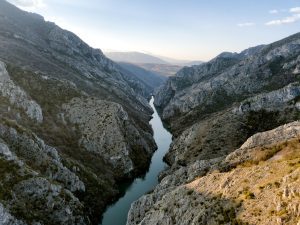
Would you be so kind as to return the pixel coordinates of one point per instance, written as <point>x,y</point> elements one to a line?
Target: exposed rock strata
<point>17,96</point>
<point>35,186</point>
<point>217,175</point>
<point>260,185</point>
<point>226,79</point>
<point>107,130</point>
<point>62,154</point>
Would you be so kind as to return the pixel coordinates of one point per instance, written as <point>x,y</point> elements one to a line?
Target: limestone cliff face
<point>213,108</point>
<point>228,165</point>
<point>35,184</point>
<point>229,78</point>
<point>18,97</point>
<point>256,184</point>
<point>107,130</point>
<point>72,124</point>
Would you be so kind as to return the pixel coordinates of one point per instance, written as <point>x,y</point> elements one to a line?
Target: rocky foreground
<point>256,184</point>
<point>72,124</point>
<point>235,156</point>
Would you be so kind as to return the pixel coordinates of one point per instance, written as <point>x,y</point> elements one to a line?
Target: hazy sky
<point>182,29</point>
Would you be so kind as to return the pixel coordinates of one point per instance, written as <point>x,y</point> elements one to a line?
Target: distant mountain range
<point>156,64</point>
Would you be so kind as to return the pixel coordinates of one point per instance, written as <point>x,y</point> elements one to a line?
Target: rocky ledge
<point>232,160</point>
<point>256,184</point>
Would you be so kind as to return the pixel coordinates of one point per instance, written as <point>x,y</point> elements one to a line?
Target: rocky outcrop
<point>220,133</point>
<point>228,165</point>
<point>280,134</point>
<point>60,206</point>
<point>18,97</point>
<point>266,145</point>
<point>35,185</point>
<point>258,185</point>
<point>213,108</point>
<point>35,152</point>
<point>271,101</point>
<point>7,219</point>
<point>226,79</point>
<point>106,130</point>
<point>72,123</point>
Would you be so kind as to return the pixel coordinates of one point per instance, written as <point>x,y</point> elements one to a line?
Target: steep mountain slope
<point>212,109</point>
<point>71,124</point>
<point>256,184</point>
<point>200,98</point>
<point>229,78</point>
<point>215,107</point>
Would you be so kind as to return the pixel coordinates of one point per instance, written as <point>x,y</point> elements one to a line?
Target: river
<point>116,214</point>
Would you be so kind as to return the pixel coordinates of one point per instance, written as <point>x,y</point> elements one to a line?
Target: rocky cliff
<point>224,101</point>
<point>72,124</point>
<point>229,78</point>
<point>257,183</point>
<point>227,165</point>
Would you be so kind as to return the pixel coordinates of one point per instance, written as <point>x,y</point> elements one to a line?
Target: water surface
<point>116,214</point>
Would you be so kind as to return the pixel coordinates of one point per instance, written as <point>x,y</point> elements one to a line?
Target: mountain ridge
<point>235,124</point>
<point>63,167</point>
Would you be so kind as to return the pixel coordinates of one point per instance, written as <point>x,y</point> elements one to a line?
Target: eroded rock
<point>17,96</point>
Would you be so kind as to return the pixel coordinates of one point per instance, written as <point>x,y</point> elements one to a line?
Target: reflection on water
<point>116,214</point>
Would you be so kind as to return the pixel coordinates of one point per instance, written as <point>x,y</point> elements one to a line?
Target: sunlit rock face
<point>235,154</point>
<point>229,78</point>
<point>257,183</point>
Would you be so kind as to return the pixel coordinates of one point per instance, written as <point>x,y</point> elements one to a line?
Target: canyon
<point>234,158</point>
<point>76,127</point>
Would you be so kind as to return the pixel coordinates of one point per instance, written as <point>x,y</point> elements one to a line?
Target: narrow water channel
<point>116,214</point>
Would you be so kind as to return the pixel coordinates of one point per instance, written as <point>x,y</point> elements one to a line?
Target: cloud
<point>248,24</point>
<point>28,4</point>
<point>294,17</point>
<point>291,19</point>
<point>273,11</point>
<point>295,10</point>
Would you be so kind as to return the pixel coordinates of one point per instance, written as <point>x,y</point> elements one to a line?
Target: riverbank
<point>117,213</point>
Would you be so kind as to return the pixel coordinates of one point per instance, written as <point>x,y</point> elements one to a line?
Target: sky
<point>180,29</point>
